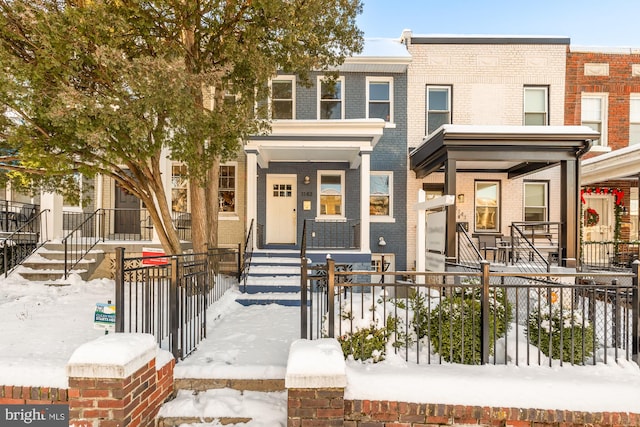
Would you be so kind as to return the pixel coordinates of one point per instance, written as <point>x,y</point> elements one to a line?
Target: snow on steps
<point>225,406</point>
<point>47,264</point>
<point>274,278</point>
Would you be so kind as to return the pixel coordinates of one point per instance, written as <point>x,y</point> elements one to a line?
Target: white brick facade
<point>487,82</point>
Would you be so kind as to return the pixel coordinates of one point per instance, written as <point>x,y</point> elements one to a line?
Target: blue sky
<point>613,23</point>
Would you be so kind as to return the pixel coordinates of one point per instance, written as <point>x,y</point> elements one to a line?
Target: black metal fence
<point>474,317</point>
<point>18,244</point>
<point>610,255</point>
<point>168,296</point>
<point>344,234</point>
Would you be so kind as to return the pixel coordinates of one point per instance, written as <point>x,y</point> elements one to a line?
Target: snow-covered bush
<point>560,332</point>
<point>455,324</point>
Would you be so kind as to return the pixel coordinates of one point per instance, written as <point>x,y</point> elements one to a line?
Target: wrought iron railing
<point>475,317</point>
<point>168,296</point>
<point>326,234</point>
<point>14,215</point>
<point>537,244</point>
<point>609,255</point>
<point>245,259</point>
<point>81,239</point>
<point>17,245</point>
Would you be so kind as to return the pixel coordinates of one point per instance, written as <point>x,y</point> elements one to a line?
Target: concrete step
<point>202,384</point>
<point>224,406</point>
<point>50,275</point>
<point>59,255</point>
<point>289,299</point>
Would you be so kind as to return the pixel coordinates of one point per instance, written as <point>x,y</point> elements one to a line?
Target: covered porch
<point>510,152</point>
<point>287,185</point>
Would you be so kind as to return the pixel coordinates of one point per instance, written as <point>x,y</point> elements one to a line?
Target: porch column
<point>450,189</point>
<point>51,223</point>
<point>365,190</point>
<point>252,193</point>
<point>569,208</point>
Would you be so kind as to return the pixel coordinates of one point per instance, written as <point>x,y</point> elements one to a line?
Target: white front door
<point>281,209</point>
<point>598,218</point>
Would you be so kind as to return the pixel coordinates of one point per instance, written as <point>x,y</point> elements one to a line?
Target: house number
<point>306,193</point>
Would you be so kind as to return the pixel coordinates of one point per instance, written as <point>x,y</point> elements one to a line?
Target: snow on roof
<point>525,130</point>
<point>620,50</point>
<point>383,47</point>
<point>489,38</point>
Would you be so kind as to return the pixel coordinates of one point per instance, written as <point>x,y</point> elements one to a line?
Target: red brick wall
<point>20,395</point>
<point>366,413</point>
<point>315,407</point>
<point>133,401</point>
<point>618,84</point>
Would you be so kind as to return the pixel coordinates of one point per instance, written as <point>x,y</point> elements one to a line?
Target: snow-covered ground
<point>42,326</point>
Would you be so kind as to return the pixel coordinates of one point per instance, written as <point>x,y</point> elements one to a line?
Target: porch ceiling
<point>515,150</point>
<point>621,163</point>
<point>316,141</point>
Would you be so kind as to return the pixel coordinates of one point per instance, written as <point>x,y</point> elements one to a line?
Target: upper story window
<point>594,115</point>
<point>283,95</point>
<point>381,195</point>
<point>380,98</point>
<point>330,98</point>
<point>227,188</point>
<point>331,193</point>
<point>487,201</point>
<point>536,106</point>
<point>634,119</point>
<point>438,107</point>
<point>536,201</point>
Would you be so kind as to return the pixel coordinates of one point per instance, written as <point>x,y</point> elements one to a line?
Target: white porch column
<point>252,193</point>
<point>365,190</point>
<point>51,224</point>
<point>420,237</point>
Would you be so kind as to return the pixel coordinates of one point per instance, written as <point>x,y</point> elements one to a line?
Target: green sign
<point>105,316</point>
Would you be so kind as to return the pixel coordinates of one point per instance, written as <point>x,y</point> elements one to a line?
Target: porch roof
<point>515,150</point>
<point>621,163</point>
<point>316,141</point>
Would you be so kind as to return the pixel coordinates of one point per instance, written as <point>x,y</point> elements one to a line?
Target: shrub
<point>366,344</point>
<point>455,324</point>
<point>548,323</point>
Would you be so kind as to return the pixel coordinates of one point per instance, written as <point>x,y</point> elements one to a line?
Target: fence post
<point>174,320</point>
<point>635,312</point>
<point>303,298</point>
<point>240,257</point>
<point>331,266</point>
<point>484,309</point>
<point>119,273</point>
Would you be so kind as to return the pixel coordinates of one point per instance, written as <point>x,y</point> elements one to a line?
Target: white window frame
<point>389,217</point>
<point>292,80</point>
<point>389,81</point>
<point>233,213</point>
<point>321,79</point>
<point>498,206</point>
<point>545,184</point>
<point>634,121</point>
<point>545,89</point>
<point>604,115</point>
<point>449,101</point>
<point>342,216</point>
<point>186,188</point>
<point>79,178</point>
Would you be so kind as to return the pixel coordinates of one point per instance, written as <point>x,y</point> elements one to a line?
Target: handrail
<point>520,234</point>
<point>26,229</point>
<point>246,257</point>
<point>468,239</point>
<point>303,243</point>
<point>81,241</point>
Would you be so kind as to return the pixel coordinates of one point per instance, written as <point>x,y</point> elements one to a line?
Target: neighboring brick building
<point>603,92</point>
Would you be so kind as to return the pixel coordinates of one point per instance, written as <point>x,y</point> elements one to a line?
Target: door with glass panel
<point>281,209</point>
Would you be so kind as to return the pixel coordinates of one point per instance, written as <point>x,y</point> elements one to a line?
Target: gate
<point>168,296</point>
